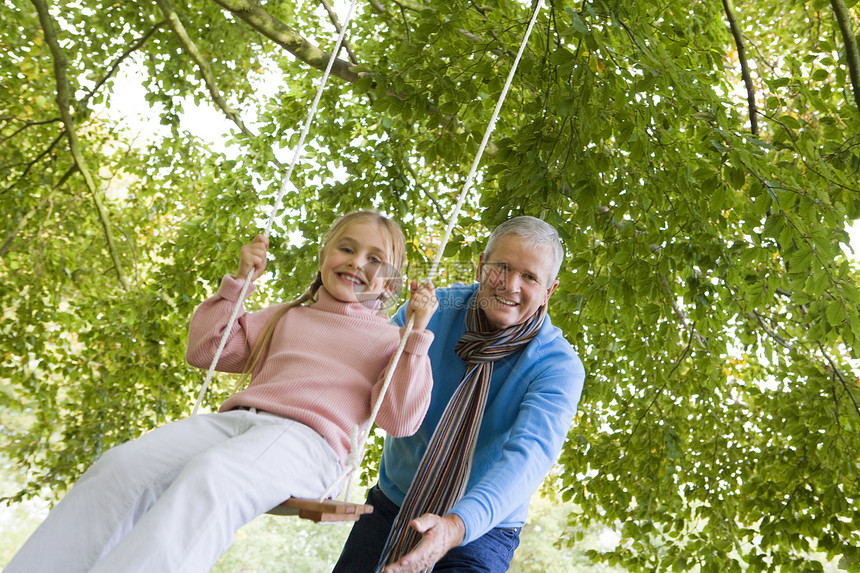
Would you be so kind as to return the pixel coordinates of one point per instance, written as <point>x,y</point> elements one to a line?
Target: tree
<point>699,159</point>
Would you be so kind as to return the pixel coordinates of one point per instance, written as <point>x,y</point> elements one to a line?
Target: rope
<point>434,268</point>
<point>277,205</point>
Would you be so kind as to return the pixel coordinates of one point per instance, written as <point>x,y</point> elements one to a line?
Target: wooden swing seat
<point>327,511</point>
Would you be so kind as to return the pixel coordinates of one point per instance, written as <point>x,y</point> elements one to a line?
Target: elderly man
<point>506,387</point>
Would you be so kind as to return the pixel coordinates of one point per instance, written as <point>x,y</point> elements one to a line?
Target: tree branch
<point>380,9</point>
<point>407,5</point>
<point>110,72</point>
<point>115,66</point>
<point>680,313</point>
<point>205,69</point>
<point>254,14</point>
<point>32,163</point>
<point>22,222</point>
<point>258,18</point>
<point>782,342</point>
<point>26,124</point>
<point>841,376</point>
<point>742,58</point>
<point>852,57</point>
<point>660,390</point>
<point>333,17</point>
<point>64,103</point>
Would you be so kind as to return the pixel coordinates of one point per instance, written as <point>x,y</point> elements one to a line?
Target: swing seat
<point>322,511</point>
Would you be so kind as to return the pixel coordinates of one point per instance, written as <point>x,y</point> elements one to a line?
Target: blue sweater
<point>530,407</point>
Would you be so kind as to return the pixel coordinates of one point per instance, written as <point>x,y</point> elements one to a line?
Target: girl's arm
<point>408,395</point>
<point>210,319</point>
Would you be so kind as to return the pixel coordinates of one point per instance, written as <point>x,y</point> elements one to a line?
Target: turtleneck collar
<point>328,303</point>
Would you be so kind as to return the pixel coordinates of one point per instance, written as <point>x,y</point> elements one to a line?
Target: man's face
<point>514,281</point>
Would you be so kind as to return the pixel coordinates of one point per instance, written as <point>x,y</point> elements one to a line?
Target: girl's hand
<point>422,304</point>
<point>253,256</point>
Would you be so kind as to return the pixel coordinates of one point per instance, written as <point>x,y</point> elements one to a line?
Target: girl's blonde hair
<point>392,238</point>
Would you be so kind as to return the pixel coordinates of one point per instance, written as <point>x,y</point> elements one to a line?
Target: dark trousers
<point>491,553</point>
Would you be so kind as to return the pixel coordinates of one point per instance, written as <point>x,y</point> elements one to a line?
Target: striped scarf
<point>441,477</point>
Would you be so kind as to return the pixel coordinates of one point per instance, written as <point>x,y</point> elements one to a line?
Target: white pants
<point>171,500</point>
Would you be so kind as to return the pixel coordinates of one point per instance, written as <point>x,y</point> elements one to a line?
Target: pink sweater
<point>325,365</point>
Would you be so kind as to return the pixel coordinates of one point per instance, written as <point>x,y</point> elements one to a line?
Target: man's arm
<point>536,437</point>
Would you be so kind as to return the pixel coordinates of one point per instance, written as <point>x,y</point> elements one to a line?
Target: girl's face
<point>355,265</point>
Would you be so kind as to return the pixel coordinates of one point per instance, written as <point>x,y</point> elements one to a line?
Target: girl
<point>172,499</point>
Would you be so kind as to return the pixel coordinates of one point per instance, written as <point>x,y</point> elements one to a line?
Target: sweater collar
<point>328,303</point>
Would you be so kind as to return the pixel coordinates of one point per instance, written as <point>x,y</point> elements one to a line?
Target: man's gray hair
<point>535,231</point>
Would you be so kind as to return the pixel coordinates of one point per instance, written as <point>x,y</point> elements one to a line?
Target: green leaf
<point>737,177</point>
<point>578,23</point>
<point>719,146</point>
<point>820,75</point>
<point>452,248</point>
<point>835,313</point>
<point>790,121</point>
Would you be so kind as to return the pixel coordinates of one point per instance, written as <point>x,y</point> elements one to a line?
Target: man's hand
<point>438,536</point>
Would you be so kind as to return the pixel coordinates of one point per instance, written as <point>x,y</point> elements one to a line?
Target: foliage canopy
<point>699,159</point>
